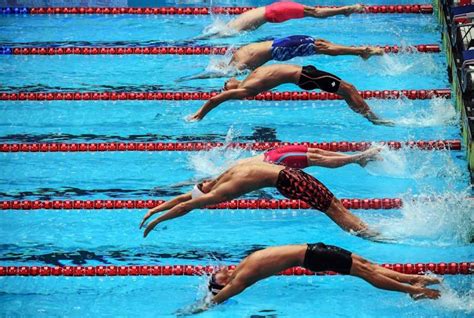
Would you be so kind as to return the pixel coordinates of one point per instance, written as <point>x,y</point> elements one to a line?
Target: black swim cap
<point>213,286</point>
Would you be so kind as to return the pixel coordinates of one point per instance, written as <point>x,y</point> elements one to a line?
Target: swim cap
<point>213,286</point>
<point>196,192</point>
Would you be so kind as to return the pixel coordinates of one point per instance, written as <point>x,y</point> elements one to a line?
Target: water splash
<point>441,219</point>
<point>396,65</point>
<point>440,112</point>
<point>218,28</point>
<point>215,161</point>
<point>417,164</point>
<point>453,301</point>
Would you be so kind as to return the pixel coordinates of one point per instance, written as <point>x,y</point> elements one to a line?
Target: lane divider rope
<point>172,50</point>
<point>267,96</point>
<point>407,8</point>
<point>442,268</point>
<point>342,146</point>
<point>240,204</point>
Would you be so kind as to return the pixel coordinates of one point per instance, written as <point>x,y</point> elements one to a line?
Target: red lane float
<point>372,9</point>
<point>342,146</point>
<point>174,95</point>
<point>443,268</point>
<point>242,204</point>
<point>182,50</point>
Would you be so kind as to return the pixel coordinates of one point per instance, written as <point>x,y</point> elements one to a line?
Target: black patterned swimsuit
<point>298,185</point>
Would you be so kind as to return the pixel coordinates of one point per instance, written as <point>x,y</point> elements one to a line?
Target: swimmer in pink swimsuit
<point>300,157</point>
<point>278,12</point>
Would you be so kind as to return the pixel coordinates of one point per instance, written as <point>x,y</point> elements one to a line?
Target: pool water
<point>438,230</point>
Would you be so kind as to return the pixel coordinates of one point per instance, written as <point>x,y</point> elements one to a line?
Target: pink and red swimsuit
<point>290,156</point>
<point>282,11</point>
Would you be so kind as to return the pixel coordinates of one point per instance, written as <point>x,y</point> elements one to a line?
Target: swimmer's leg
<point>357,103</point>
<point>330,159</point>
<point>328,48</point>
<point>368,271</point>
<point>329,12</point>
<point>413,279</point>
<point>346,220</point>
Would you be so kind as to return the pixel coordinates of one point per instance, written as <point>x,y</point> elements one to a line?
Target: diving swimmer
<point>278,12</point>
<point>319,257</point>
<point>307,77</point>
<point>300,157</point>
<point>254,55</point>
<point>247,177</point>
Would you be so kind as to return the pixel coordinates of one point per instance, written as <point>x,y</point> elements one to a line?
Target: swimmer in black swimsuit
<point>268,77</point>
<point>318,257</point>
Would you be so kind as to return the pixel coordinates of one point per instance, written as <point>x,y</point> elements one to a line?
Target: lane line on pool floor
<point>441,268</point>
<point>171,50</point>
<point>198,95</point>
<point>370,9</point>
<point>341,146</point>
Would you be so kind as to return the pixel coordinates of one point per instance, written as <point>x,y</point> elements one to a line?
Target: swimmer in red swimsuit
<point>278,12</point>
<point>226,283</point>
<point>300,157</point>
<point>247,177</point>
<point>307,77</point>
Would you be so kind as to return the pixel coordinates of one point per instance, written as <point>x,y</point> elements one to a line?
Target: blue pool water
<point>438,230</point>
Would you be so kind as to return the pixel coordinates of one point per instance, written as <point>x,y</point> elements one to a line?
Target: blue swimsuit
<point>296,45</point>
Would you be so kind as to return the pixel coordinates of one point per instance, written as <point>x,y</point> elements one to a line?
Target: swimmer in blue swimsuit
<point>253,55</point>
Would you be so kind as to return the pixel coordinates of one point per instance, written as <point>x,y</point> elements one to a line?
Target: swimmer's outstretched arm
<point>203,75</point>
<point>215,101</point>
<point>166,206</point>
<point>184,208</point>
<point>234,287</point>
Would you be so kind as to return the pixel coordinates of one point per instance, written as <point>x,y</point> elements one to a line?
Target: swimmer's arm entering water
<point>166,206</point>
<point>204,75</point>
<point>213,102</point>
<point>184,208</point>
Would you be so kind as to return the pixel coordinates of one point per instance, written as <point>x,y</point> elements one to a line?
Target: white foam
<point>217,160</point>
<point>396,65</point>
<point>440,112</point>
<point>435,219</point>
<point>453,301</point>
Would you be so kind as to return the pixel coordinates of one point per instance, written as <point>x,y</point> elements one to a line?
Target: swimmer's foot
<point>359,8</point>
<point>370,51</point>
<point>371,154</point>
<point>426,293</point>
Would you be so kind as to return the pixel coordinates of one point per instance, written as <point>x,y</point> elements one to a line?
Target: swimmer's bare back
<point>267,77</point>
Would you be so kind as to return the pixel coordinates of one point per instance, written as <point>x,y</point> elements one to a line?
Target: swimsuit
<point>298,185</point>
<point>320,257</point>
<point>312,78</point>
<point>289,156</point>
<point>282,11</point>
<point>296,45</point>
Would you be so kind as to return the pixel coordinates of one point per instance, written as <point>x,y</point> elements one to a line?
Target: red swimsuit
<point>282,11</point>
<point>289,156</point>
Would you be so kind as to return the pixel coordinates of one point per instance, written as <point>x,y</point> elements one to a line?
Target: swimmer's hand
<point>382,122</point>
<point>150,227</point>
<point>194,117</point>
<point>147,216</point>
<point>193,309</point>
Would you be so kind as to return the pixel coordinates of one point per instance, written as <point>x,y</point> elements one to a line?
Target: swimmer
<point>300,157</point>
<point>247,177</point>
<point>318,257</point>
<point>251,56</point>
<point>307,77</point>
<point>278,12</point>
